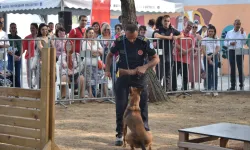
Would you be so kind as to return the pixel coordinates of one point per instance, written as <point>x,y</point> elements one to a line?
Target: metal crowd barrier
<point>103,89</point>
<point>197,66</point>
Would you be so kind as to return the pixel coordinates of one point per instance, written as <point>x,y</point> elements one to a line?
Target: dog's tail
<point>143,146</point>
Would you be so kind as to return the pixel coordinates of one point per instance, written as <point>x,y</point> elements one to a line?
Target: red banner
<point>100,11</point>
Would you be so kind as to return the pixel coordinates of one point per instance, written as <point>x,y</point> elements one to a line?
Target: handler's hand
<point>141,70</point>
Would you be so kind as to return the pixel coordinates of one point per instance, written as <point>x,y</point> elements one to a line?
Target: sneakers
<point>215,94</point>
<point>231,89</point>
<point>207,93</point>
<point>119,140</point>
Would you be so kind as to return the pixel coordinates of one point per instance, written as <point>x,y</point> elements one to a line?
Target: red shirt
<point>186,43</point>
<point>76,33</point>
<point>29,46</point>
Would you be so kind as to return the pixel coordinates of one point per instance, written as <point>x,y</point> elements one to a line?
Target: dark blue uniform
<point>136,52</point>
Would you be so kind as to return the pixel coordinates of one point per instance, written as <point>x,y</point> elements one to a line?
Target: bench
<point>221,131</point>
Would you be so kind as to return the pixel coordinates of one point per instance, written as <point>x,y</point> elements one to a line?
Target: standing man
<point>236,45</point>
<point>167,34</point>
<point>51,28</point>
<point>15,54</point>
<point>184,48</point>
<point>79,33</point>
<point>29,46</point>
<point>132,56</point>
<point>3,44</point>
<point>150,28</point>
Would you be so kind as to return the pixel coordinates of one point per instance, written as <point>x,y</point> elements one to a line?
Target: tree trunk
<point>155,91</point>
<point>128,12</point>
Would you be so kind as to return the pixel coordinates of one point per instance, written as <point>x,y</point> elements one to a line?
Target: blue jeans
<point>1,65</point>
<point>93,90</point>
<point>17,70</point>
<point>212,73</point>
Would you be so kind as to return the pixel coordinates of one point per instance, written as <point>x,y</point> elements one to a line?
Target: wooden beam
<point>204,139</point>
<point>200,146</point>
<point>23,132</point>
<point>14,140</point>
<point>20,102</point>
<point>55,146</point>
<point>21,122</point>
<point>52,94</point>
<point>47,146</point>
<point>246,146</point>
<point>183,137</point>
<point>45,87</point>
<point>14,147</point>
<point>9,91</point>
<point>223,142</point>
<point>19,112</point>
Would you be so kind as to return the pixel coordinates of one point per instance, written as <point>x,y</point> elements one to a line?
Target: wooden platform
<point>221,131</point>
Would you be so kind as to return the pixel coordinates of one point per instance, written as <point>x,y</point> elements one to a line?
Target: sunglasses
<point>194,27</point>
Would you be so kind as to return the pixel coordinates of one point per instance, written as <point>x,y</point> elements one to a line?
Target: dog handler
<point>132,51</point>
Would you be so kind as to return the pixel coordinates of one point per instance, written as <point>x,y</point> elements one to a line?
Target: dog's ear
<point>130,90</point>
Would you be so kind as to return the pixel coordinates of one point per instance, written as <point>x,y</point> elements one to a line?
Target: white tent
<point>45,7</point>
<point>149,6</point>
<point>77,7</point>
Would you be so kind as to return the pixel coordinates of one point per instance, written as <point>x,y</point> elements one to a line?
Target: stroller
<point>9,78</point>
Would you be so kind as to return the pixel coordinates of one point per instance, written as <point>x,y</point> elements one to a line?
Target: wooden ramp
<point>27,117</point>
<point>221,131</point>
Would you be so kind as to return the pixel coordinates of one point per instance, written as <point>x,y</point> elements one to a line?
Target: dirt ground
<point>91,126</point>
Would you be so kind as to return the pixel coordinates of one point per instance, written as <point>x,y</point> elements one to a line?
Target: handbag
<point>34,60</point>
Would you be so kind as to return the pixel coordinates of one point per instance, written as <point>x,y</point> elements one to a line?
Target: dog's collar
<point>134,107</point>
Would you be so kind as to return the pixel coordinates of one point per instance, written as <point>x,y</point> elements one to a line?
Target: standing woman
<point>142,30</point>
<point>60,44</point>
<point>106,36</point>
<point>210,48</point>
<point>92,51</point>
<point>43,41</point>
<point>194,70</point>
<point>15,53</point>
<point>118,30</point>
<point>97,29</point>
<point>58,25</point>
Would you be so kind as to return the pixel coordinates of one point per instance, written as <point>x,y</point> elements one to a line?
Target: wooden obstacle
<point>27,117</point>
<point>222,131</point>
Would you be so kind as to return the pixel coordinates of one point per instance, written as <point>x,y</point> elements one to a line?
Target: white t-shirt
<point>86,52</point>
<point>3,36</point>
<point>210,44</point>
<point>149,32</point>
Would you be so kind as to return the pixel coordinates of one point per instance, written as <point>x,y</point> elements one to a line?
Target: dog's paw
<point>124,145</point>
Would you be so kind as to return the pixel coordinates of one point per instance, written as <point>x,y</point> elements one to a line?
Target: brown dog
<point>139,137</point>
